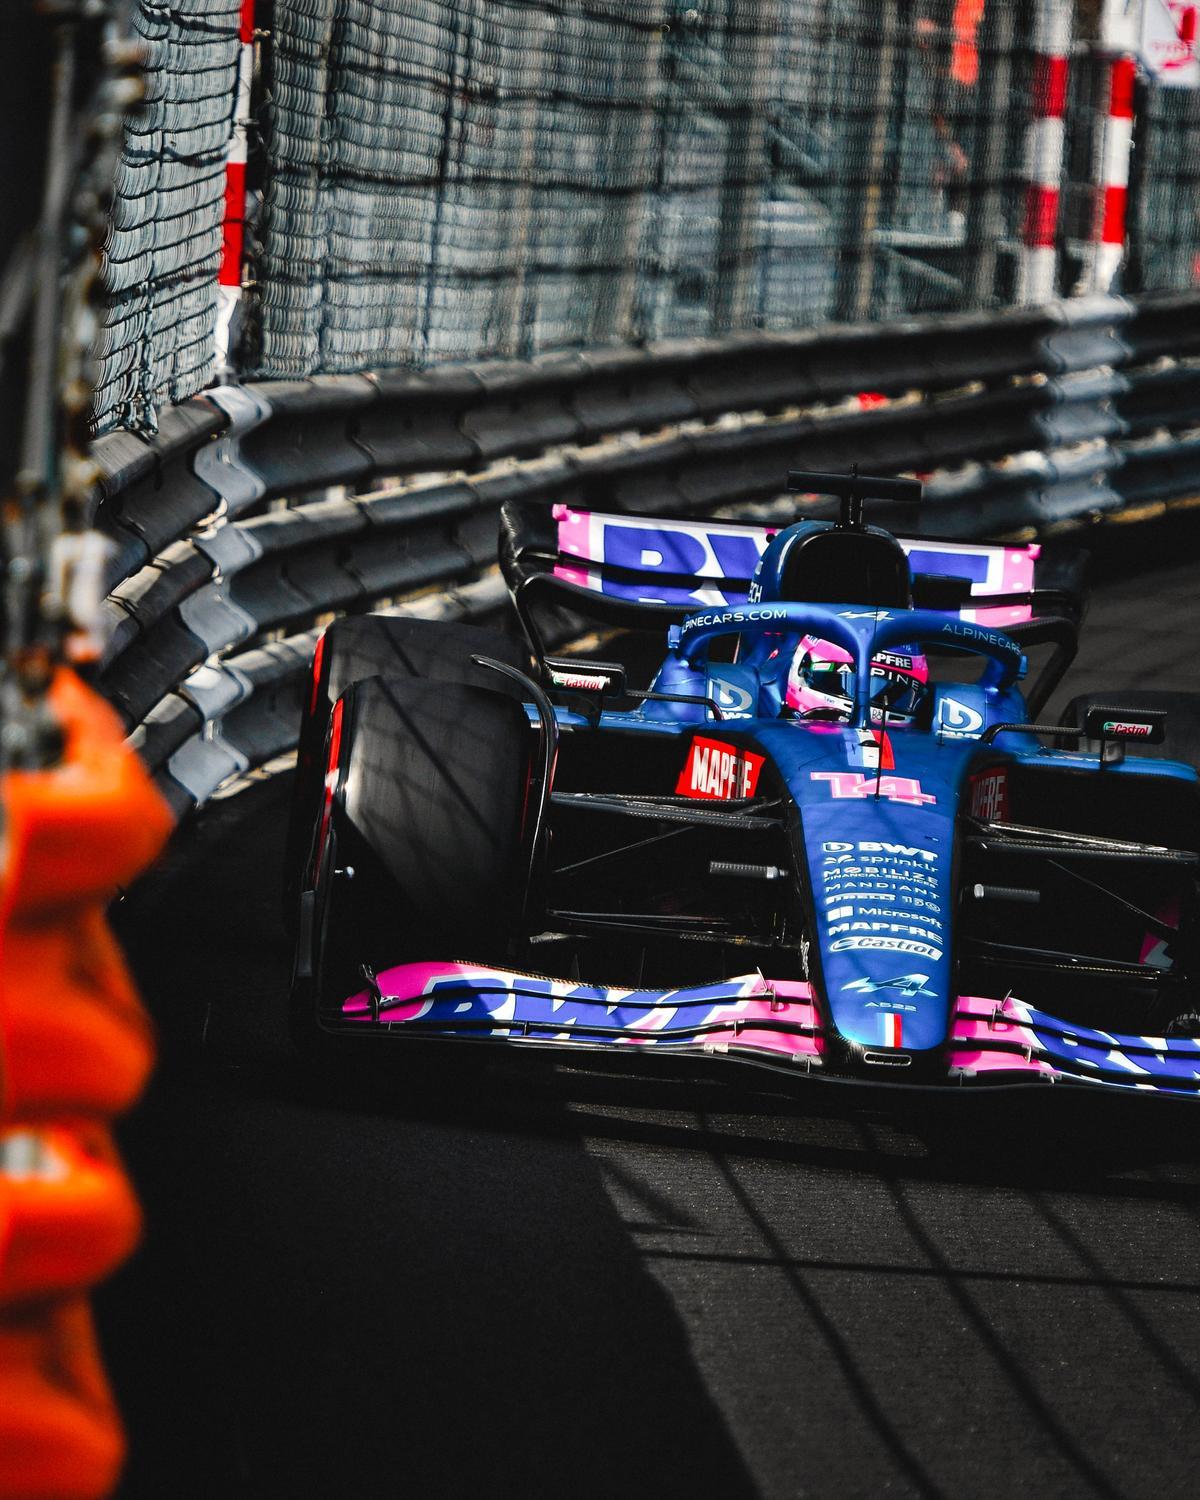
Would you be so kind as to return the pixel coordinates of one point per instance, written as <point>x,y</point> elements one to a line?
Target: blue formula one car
<point>826,837</point>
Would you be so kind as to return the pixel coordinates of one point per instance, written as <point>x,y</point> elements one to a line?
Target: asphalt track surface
<point>519,1281</point>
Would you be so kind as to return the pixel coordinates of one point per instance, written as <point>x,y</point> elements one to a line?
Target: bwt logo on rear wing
<point>693,563</point>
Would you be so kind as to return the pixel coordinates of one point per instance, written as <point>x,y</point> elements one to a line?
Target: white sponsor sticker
<point>894,945</point>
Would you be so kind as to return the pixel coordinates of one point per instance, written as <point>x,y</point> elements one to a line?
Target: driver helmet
<point>820,683</point>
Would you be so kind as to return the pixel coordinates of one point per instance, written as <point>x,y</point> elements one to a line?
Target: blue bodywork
<point>874,814</point>
<point>878,807</point>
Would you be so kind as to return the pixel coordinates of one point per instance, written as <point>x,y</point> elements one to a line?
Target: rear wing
<point>639,572</point>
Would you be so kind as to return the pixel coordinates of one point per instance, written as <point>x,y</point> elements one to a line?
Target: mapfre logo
<point>718,771</point>
<point>989,795</point>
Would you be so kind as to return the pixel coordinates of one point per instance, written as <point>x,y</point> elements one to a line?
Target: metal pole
<point>631,147</point>
<point>52,566</point>
<point>229,277</point>
<point>867,142</point>
<point>1118,42</point>
<point>985,223</point>
<point>1044,139</point>
<point>511,318</point>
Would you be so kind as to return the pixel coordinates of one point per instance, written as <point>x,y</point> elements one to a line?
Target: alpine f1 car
<point>825,837</point>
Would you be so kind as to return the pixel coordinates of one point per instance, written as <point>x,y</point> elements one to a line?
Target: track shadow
<point>341,1295</point>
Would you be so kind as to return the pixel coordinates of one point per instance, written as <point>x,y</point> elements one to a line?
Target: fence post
<point>1116,53</point>
<point>1044,139</point>
<point>745,162</point>
<point>233,229</point>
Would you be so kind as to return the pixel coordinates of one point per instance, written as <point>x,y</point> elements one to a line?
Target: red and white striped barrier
<point>1044,140</point>
<point>1112,194</point>
<point>229,278</point>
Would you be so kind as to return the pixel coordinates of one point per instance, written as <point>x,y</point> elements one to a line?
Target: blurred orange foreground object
<point>70,1212</point>
<point>73,1038</point>
<point>75,1048</point>
<point>60,1435</point>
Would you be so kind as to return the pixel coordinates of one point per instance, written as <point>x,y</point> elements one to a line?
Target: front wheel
<point>419,847</point>
<point>362,646</point>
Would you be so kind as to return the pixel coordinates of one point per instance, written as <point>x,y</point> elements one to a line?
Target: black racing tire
<point>427,810</point>
<point>362,646</point>
<point>1182,739</point>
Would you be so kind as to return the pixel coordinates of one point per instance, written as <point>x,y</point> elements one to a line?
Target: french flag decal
<point>891,1029</point>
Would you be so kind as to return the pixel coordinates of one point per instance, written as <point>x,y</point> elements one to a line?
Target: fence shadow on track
<point>339,1297</point>
<point>370,1286</point>
<point>555,1280</point>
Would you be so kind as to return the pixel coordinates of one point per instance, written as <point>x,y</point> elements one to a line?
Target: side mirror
<point>573,675</point>
<point>1116,727</point>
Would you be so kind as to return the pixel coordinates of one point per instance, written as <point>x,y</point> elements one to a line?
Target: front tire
<point>363,646</point>
<point>427,803</point>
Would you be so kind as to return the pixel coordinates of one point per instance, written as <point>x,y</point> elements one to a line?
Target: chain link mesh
<point>1166,235</point>
<point>452,178</point>
<point>164,247</point>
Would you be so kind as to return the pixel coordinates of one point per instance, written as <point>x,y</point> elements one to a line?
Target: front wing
<point>753,1019</point>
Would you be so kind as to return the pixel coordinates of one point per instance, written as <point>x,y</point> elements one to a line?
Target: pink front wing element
<point>791,1002</point>
<point>981,1020</point>
<point>518,1006</point>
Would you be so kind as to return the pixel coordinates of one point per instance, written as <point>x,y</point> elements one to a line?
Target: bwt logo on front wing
<point>719,771</point>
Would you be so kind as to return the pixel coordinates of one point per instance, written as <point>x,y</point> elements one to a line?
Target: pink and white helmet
<point>820,683</point>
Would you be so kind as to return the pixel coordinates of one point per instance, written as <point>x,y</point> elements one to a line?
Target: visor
<point>897,692</point>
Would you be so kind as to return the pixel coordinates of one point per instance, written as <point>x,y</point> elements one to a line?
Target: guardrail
<point>224,561</point>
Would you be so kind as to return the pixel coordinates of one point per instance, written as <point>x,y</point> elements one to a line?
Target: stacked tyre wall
<point>261,510</point>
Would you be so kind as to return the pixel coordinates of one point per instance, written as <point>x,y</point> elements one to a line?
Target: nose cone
<point>877,813</point>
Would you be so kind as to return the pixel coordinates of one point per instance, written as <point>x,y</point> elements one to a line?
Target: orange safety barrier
<point>75,1049</point>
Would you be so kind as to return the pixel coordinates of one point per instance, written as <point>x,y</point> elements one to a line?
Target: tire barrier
<point>227,555</point>
<point>75,1049</point>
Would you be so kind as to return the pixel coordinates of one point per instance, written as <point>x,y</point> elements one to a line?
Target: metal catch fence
<point>164,247</point>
